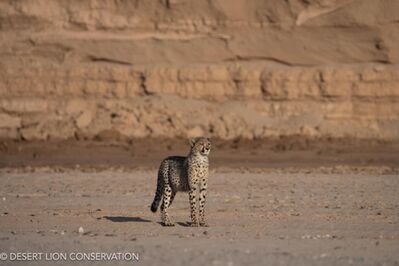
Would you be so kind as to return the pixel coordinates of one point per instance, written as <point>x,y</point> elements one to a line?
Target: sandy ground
<point>264,210</point>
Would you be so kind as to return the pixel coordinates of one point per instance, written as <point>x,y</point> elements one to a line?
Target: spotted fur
<point>187,174</point>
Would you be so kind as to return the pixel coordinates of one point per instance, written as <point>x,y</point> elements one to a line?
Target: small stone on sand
<point>81,230</point>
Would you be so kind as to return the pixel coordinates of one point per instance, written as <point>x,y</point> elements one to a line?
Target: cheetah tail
<point>158,192</point>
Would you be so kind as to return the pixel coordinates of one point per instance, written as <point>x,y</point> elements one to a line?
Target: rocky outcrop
<point>179,68</point>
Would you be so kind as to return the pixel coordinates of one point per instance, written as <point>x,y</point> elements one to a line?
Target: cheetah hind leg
<point>166,221</point>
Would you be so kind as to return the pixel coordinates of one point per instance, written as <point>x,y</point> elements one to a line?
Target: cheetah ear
<point>192,142</point>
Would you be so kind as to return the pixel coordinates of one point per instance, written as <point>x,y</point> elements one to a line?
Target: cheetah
<point>187,174</point>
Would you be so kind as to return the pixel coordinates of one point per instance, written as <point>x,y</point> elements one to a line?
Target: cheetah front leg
<point>193,206</point>
<point>167,193</point>
<point>203,189</point>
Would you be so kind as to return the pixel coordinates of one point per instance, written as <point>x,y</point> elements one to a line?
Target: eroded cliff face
<point>178,68</point>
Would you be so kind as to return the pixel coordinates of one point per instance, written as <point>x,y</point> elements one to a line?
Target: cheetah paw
<point>168,224</point>
<point>194,224</point>
<point>204,224</point>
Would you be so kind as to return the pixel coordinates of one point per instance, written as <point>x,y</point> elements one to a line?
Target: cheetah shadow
<point>124,219</point>
<point>186,224</point>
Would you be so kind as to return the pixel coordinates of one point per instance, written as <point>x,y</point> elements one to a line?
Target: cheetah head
<point>201,145</point>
